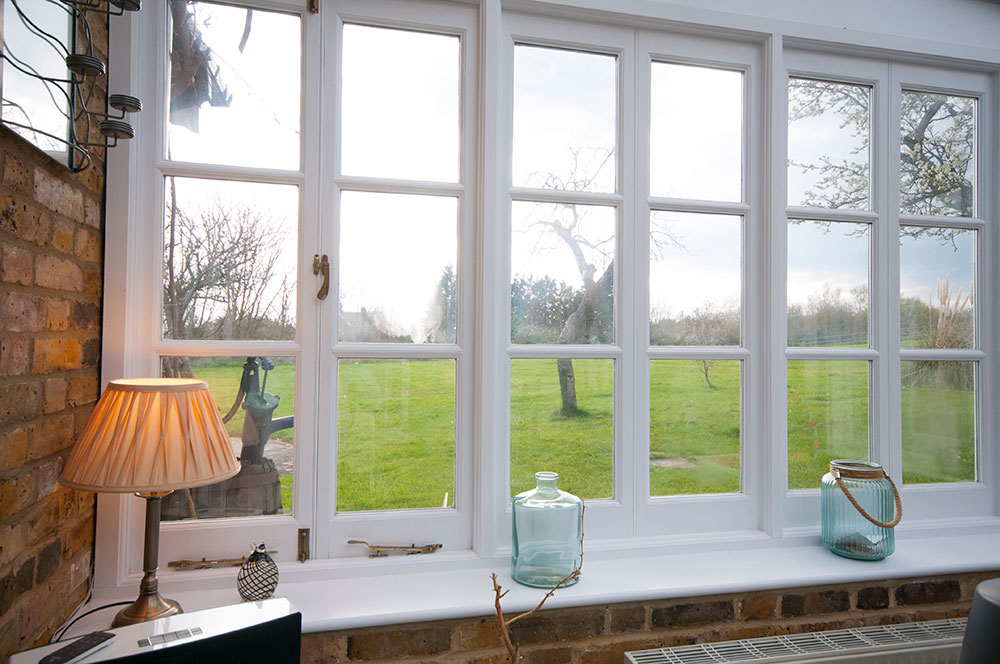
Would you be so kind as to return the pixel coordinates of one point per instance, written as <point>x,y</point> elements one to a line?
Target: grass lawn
<point>694,428</point>
<point>939,427</point>
<point>396,428</point>
<point>396,434</point>
<point>827,417</point>
<point>578,447</point>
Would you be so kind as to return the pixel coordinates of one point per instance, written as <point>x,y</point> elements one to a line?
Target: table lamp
<point>149,436</point>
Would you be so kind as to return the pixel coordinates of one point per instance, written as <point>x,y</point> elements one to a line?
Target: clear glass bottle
<point>547,534</point>
<point>863,531</point>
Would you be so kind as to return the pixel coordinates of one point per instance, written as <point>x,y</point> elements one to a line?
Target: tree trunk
<point>567,385</point>
<point>177,367</point>
<point>705,366</point>
<point>574,332</point>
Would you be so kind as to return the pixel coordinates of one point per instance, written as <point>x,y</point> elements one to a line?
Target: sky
<point>401,115</point>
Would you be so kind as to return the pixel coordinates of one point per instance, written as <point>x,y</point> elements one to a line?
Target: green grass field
<point>396,427</point>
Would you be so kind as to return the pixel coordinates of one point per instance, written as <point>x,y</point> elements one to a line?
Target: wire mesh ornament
<point>258,576</point>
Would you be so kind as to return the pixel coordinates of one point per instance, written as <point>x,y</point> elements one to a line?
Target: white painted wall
<point>967,22</point>
<point>956,28</point>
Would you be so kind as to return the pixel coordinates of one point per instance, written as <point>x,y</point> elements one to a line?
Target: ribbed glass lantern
<point>547,534</point>
<point>860,506</point>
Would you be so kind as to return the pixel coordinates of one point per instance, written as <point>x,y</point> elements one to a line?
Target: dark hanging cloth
<point>194,78</point>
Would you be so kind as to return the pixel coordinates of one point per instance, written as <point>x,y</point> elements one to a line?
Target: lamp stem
<point>149,605</point>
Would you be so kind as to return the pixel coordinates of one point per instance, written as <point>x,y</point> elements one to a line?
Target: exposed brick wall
<point>51,280</point>
<point>602,634</point>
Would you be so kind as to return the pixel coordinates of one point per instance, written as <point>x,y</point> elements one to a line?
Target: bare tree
<point>220,273</point>
<point>593,319</point>
<point>712,326</point>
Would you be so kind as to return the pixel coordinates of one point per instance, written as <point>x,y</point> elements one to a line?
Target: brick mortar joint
<point>41,291</point>
<point>40,379</point>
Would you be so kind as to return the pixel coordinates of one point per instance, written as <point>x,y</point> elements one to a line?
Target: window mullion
<point>890,452</point>
<point>775,323</point>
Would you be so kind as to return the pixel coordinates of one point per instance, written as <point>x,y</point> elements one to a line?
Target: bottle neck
<point>546,482</point>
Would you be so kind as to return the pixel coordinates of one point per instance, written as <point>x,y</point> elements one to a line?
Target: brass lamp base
<point>146,607</point>
<point>149,605</point>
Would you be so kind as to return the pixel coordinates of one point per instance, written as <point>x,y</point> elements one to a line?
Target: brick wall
<point>602,634</point>
<point>51,245</point>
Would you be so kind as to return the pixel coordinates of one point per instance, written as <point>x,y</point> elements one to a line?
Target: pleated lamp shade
<point>151,434</point>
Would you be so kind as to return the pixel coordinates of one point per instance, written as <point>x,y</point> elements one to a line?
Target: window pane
<point>395,434</point>
<point>939,421</point>
<point>235,86</point>
<point>266,413</point>
<point>828,144</point>
<point>27,100</point>
<point>694,427</point>
<point>230,253</point>
<point>827,283</point>
<point>562,271</point>
<point>827,417</point>
<point>564,119</point>
<point>397,268</point>
<point>696,132</point>
<point>694,279</point>
<point>937,155</point>
<point>400,104</point>
<point>937,274</point>
<point>562,420</point>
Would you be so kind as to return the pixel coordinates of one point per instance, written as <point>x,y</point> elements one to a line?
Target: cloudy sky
<point>401,110</point>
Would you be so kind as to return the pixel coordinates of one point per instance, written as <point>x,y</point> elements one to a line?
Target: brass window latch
<point>209,564</point>
<point>303,545</point>
<point>379,551</point>
<point>322,266</point>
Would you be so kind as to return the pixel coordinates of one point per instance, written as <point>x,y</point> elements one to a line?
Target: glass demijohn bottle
<point>547,534</point>
<point>860,508</point>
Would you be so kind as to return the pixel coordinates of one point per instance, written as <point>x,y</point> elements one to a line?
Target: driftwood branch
<point>499,593</point>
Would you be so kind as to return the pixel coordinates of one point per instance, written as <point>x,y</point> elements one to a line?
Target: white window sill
<point>352,595</point>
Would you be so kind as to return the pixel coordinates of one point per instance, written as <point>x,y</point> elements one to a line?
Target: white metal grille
<point>916,643</point>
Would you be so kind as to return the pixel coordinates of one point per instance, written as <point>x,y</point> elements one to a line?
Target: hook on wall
<point>50,73</point>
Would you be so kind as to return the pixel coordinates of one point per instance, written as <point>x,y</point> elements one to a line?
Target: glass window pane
<point>230,253</point>
<point>696,133</point>
<point>235,85</point>
<point>400,104</point>
<point>828,144</point>
<point>265,413</point>
<point>937,155</point>
<point>937,274</point>
<point>395,434</point>
<point>397,268</point>
<point>562,420</point>
<point>564,119</point>
<point>827,417</point>
<point>827,283</point>
<point>32,103</point>
<point>939,421</point>
<point>694,279</point>
<point>562,271</point>
<point>694,427</point>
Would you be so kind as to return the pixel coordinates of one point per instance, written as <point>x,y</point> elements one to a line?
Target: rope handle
<point>861,510</point>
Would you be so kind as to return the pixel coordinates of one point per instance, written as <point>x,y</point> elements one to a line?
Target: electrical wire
<point>63,631</point>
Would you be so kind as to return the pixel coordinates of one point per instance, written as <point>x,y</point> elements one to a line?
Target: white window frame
<point>451,527</point>
<point>931,503</point>
<point>767,49</point>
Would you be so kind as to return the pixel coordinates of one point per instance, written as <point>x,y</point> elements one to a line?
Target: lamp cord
<point>82,615</point>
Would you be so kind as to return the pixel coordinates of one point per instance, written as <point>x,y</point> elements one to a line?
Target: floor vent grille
<point>917,642</point>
